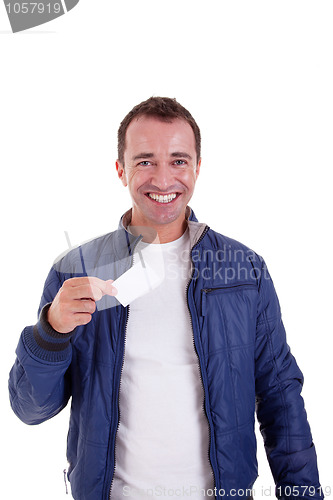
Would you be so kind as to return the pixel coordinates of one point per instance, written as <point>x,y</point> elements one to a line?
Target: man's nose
<point>162,176</point>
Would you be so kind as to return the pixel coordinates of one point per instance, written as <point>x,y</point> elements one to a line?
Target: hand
<point>75,302</point>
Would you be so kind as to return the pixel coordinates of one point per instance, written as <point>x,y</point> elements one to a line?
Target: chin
<point>167,218</point>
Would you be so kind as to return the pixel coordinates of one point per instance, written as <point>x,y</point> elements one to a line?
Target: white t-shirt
<point>162,441</point>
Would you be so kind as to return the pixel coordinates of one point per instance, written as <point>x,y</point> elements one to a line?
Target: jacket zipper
<point>65,479</point>
<point>114,440</point>
<point>196,351</point>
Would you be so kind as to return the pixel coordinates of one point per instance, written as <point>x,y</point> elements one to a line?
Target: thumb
<point>110,290</point>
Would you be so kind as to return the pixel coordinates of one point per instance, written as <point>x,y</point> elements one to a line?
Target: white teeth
<point>162,199</point>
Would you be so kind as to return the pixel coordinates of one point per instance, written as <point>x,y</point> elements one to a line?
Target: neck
<point>159,233</point>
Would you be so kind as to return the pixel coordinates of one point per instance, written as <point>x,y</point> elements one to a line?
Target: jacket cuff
<point>46,343</point>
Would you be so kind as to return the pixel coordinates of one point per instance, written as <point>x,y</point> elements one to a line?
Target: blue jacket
<point>245,365</point>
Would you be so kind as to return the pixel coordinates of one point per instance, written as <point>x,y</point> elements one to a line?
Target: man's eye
<point>180,162</point>
<point>144,163</point>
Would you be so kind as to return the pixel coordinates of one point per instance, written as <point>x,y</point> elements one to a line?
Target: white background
<point>257,76</point>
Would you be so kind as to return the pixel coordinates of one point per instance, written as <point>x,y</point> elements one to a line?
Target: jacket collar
<point>195,228</point>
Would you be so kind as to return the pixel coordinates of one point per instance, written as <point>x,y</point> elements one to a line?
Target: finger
<point>111,290</point>
<point>105,286</point>
<point>83,306</point>
<point>84,292</point>
<point>81,318</point>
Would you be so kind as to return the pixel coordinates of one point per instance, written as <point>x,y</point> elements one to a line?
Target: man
<point>164,390</point>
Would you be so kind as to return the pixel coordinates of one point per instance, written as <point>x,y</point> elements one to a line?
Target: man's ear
<point>197,170</point>
<point>121,172</point>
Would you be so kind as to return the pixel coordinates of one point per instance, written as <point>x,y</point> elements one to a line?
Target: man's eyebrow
<point>176,154</point>
<point>181,154</point>
<point>143,156</point>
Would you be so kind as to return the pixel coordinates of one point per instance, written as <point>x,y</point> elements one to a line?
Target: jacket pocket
<point>228,317</point>
<point>239,287</point>
<point>228,343</point>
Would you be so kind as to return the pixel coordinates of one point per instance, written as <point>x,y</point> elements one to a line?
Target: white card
<point>136,282</point>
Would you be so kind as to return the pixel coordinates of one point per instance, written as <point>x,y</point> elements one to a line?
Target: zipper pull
<point>65,479</point>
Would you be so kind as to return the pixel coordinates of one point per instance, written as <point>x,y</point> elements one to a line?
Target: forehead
<point>155,134</point>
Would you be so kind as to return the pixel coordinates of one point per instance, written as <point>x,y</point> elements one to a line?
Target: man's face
<point>159,159</point>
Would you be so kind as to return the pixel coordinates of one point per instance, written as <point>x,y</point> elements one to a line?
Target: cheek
<point>188,178</point>
<point>137,177</point>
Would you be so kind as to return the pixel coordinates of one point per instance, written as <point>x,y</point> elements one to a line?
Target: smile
<point>167,198</point>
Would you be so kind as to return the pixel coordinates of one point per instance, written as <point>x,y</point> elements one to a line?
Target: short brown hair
<point>163,108</point>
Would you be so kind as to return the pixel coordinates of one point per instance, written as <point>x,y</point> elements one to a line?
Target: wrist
<point>49,327</point>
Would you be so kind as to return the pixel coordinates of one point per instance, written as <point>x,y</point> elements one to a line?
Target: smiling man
<point>164,390</point>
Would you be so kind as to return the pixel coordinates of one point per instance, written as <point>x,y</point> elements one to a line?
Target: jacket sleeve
<point>39,381</point>
<point>279,405</point>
